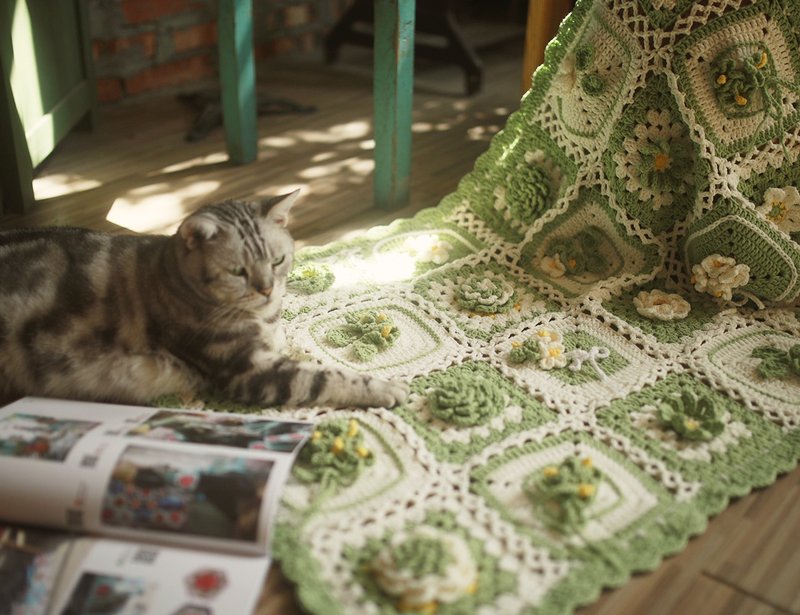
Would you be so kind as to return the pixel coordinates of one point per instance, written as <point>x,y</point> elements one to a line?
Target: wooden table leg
<point>393,94</point>
<point>238,79</point>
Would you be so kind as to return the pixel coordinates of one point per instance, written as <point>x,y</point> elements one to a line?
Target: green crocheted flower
<point>366,332</point>
<point>562,493</point>
<point>528,193</point>
<point>310,278</point>
<point>692,417</point>
<point>738,80</point>
<point>777,363</point>
<point>335,455</point>
<point>466,402</point>
<point>523,352</point>
<point>664,164</point>
<point>486,292</point>
<point>421,556</point>
<point>580,253</point>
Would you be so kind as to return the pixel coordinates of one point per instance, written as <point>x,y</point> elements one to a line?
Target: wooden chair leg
<point>238,79</point>
<point>393,95</point>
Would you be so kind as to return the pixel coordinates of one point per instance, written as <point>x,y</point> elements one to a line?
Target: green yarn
<point>737,80</point>
<point>466,403</point>
<point>593,84</point>
<point>584,56</point>
<point>580,252</point>
<point>367,333</point>
<point>422,556</point>
<point>528,193</point>
<point>310,278</point>
<point>486,294</point>
<point>664,164</point>
<point>526,351</point>
<point>335,455</point>
<point>777,363</point>
<point>691,416</point>
<point>562,493</point>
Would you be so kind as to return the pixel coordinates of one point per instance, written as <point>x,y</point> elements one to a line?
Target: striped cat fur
<point>120,318</point>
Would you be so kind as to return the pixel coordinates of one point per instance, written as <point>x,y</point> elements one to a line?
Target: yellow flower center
<point>585,490</point>
<point>550,471</point>
<point>554,352</point>
<point>387,329</point>
<point>722,79</point>
<point>338,445</point>
<point>363,452</point>
<point>662,162</point>
<point>473,587</point>
<point>778,211</point>
<point>691,424</point>
<point>381,317</point>
<point>763,61</point>
<point>352,428</point>
<point>740,100</point>
<point>316,436</point>
<point>587,463</point>
<point>516,344</point>
<point>572,263</point>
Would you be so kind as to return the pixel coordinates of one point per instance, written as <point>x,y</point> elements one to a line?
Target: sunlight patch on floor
<point>143,211</point>
<point>60,184</point>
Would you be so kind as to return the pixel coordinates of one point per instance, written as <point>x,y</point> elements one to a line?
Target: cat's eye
<point>238,271</point>
<point>278,260</point>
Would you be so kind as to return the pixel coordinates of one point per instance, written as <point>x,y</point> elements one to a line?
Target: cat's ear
<point>198,228</point>
<point>277,208</point>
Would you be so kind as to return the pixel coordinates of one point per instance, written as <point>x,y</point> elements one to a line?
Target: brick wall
<point>142,46</point>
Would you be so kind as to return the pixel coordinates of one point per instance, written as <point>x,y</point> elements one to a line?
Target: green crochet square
<point>735,231</point>
<point>737,90</point>
<point>726,464</point>
<point>482,298</point>
<point>652,164</point>
<point>663,13</point>
<point>630,512</point>
<point>463,409</point>
<point>590,245</point>
<point>492,582</point>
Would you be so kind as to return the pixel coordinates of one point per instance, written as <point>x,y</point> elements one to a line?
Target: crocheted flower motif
<point>366,333</point>
<point>578,255</point>
<point>528,193</point>
<point>335,455</point>
<point>466,403</point>
<point>657,305</point>
<point>719,275</point>
<point>310,278</point>
<point>486,292</point>
<point>546,347</point>
<point>692,417</point>
<point>738,80</point>
<point>657,160</point>
<point>429,249</point>
<point>562,493</point>
<point>782,207</point>
<point>552,266</point>
<point>778,363</point>
<point>423,567</point>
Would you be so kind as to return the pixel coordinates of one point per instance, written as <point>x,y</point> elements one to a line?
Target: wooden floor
<point>136,173</point>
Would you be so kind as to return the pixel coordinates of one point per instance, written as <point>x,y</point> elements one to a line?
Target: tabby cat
<point>88,315</point>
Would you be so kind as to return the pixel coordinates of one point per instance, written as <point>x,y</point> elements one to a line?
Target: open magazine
<point>177,507</point>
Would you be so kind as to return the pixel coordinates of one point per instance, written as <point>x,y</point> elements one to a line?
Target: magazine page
<point>123,578</point>
<point>198,479</point>
<point>45,572</point>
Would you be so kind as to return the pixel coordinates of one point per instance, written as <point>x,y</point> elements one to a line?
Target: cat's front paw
<point>388,393</point>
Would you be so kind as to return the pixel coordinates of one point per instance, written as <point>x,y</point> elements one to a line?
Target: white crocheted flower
<point>553,352</point>
<point>782,207</point>
<point>437,567</point>
<point>429,249</point>
<point>656,162</point>
<point>718,275</point>
<point>658,305</point>
<point>552,266</point>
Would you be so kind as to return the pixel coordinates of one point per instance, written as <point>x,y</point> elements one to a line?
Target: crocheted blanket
<point>600,329</point>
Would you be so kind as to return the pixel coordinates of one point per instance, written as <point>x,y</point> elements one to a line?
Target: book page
<point>197,479</point>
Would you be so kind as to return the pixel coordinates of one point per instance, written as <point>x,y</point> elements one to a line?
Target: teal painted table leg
<point>238,79</point>
<point>393,83</point>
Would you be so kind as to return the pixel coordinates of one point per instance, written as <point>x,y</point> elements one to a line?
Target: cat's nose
<point>265,291</point>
